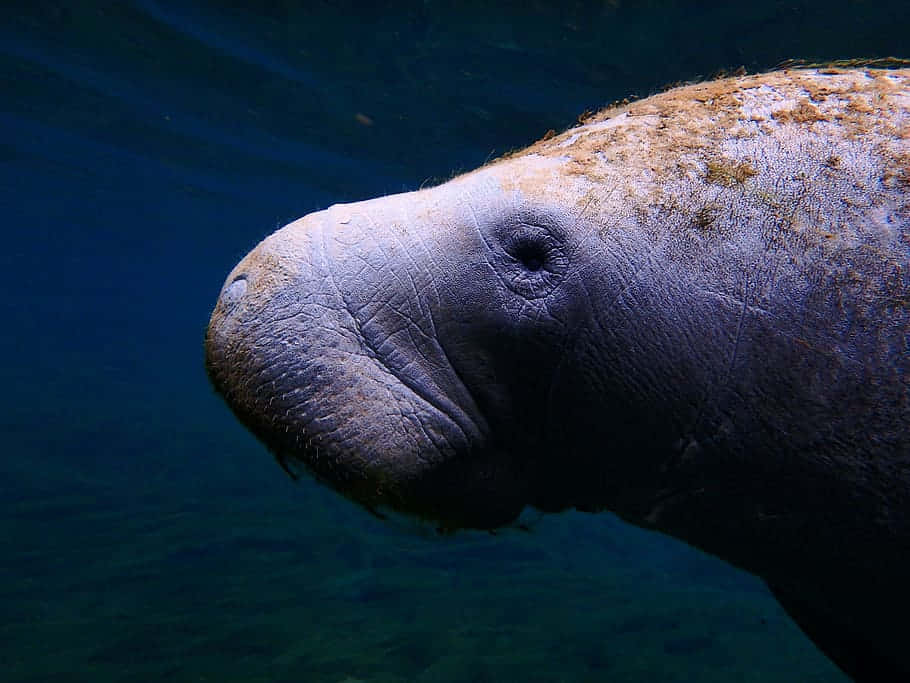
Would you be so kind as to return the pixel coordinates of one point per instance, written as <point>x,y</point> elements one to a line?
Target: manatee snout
<point>327,382</point>
<point>251,345</point>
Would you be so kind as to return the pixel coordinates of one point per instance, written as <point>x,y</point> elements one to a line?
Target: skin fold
<point>692,310</point>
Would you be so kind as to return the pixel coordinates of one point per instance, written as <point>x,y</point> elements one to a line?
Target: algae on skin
<point>729,174</point>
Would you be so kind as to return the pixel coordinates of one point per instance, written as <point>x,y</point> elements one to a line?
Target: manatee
<point>692,310</point>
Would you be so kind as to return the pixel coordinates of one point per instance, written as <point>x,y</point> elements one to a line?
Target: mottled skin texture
<point>693,310</point>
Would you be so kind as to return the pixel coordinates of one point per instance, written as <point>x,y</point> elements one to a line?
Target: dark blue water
<point>144,148</point>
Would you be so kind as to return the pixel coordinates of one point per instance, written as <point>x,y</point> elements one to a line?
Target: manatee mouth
<point>298,369</point>
<point>445,480</point>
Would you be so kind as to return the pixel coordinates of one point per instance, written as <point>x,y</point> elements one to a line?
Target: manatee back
<point>775,211</point>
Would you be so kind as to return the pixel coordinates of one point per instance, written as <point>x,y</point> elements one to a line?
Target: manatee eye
<point>534,260</point>
<point>531,256</point>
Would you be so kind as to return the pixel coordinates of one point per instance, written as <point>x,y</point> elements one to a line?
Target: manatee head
<point>430,351</point>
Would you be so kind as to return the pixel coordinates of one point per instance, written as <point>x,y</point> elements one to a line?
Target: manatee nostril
<point>234,291</point>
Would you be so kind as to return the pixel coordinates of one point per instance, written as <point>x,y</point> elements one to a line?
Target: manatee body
<point>692,310</point>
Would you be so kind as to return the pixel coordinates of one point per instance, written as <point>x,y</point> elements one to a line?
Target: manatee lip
<point>473,490</point>
<point>257,378</point>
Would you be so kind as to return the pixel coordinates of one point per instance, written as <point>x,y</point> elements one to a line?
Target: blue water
<point>144,148</point>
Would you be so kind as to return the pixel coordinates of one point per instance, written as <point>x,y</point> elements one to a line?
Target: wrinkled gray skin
<point>692,311</point>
